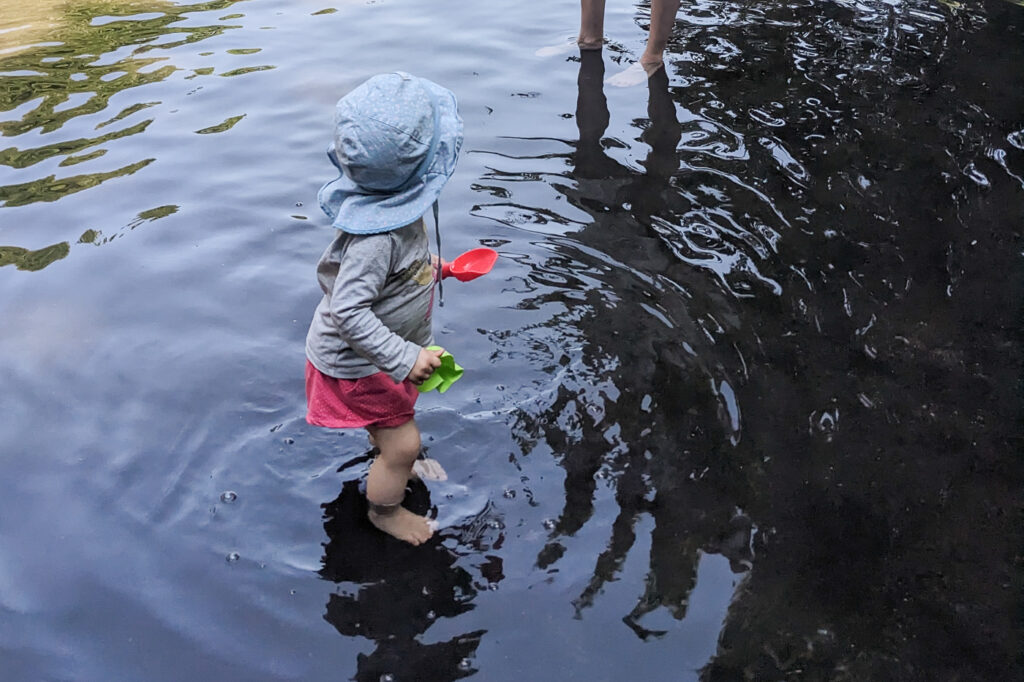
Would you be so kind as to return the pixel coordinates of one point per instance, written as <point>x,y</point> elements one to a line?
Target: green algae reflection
<point>62,60</point>
<point>55,67</point>
<point>23,259</point>
<point>32,261</point>
<point>227,124</point>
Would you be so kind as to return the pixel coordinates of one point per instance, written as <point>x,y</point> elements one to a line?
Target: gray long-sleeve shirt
<point>375,313</point>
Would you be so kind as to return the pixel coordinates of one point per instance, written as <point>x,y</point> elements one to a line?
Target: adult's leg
<point>591,25</point>
<point>663,18</point>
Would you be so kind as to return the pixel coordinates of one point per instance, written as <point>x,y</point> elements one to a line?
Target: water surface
<point>742,393</point>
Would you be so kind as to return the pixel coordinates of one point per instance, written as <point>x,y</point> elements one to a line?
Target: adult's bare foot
<point>637,73</point>
<point>564,47</point>
<point>399,522</point>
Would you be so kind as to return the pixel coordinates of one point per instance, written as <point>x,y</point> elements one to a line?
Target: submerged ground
<point>742,396</point>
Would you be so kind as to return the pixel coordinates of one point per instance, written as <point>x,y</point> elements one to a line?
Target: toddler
<point>396,141</point>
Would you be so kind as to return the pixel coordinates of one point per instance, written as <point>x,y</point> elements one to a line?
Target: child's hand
<point>426,363</point>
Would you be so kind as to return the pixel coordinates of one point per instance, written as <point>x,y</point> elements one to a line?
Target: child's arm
<point>361,276</point>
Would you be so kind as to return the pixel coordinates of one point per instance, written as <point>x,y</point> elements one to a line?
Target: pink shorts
<point>375,400</point>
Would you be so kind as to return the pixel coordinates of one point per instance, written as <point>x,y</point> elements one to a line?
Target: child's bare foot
<point>399,522</point>
<point>428,469</point>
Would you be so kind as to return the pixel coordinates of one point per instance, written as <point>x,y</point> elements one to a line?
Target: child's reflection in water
<point>402,590</point>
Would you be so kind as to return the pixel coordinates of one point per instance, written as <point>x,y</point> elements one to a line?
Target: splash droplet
<point>509,494</point>
<point>228,496</point>
<point>465,664</point>
<point>549,524</point>
<point>387,677</point>
<point>232,557</point>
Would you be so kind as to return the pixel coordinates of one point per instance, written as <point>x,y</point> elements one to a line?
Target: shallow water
<point>741,398</point>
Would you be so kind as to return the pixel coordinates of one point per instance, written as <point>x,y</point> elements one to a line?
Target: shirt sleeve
<point>362,273</point>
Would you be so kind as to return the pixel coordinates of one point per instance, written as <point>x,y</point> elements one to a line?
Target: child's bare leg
<point>424,468</point>
<point>385,485</point>
<point>591,25</point>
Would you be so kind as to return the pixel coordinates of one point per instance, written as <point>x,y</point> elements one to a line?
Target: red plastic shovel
<point>470,265</point>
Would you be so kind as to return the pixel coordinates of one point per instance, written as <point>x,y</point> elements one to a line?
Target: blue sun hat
<point>396,141</point>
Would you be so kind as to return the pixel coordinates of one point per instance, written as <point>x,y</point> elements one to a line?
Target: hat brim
<point>357,210</point>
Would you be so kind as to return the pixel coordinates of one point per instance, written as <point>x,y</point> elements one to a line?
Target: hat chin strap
<point>437,234</point>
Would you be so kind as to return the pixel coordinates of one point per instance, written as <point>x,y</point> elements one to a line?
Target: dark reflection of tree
<point>402,591</point>
<point>893,428</point>
<point>880,409</point>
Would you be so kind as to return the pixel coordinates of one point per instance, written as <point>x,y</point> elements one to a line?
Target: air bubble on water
<point>825,422</point>
<point>289,441</point>
<point>228,496</point>
<point>298,204</point>
<point>465,664</point>
<point>387,677</point>
<point>496,524</point>
<point>509,494</point>
<point>493,587</point>
<point>549,524</point>
<point>232,557</point>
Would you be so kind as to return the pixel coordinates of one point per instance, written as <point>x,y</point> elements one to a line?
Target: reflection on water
<point>740,399</point>
<point>744,324</point>
<point>648,410</point>
<point>399,592</point>
<point>32,260</point>
<point>60,61</point>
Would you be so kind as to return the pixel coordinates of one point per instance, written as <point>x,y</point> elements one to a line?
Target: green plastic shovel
<point>444,376</point>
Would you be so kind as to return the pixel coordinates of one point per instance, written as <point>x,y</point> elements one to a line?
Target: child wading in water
<point>396,141</point>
